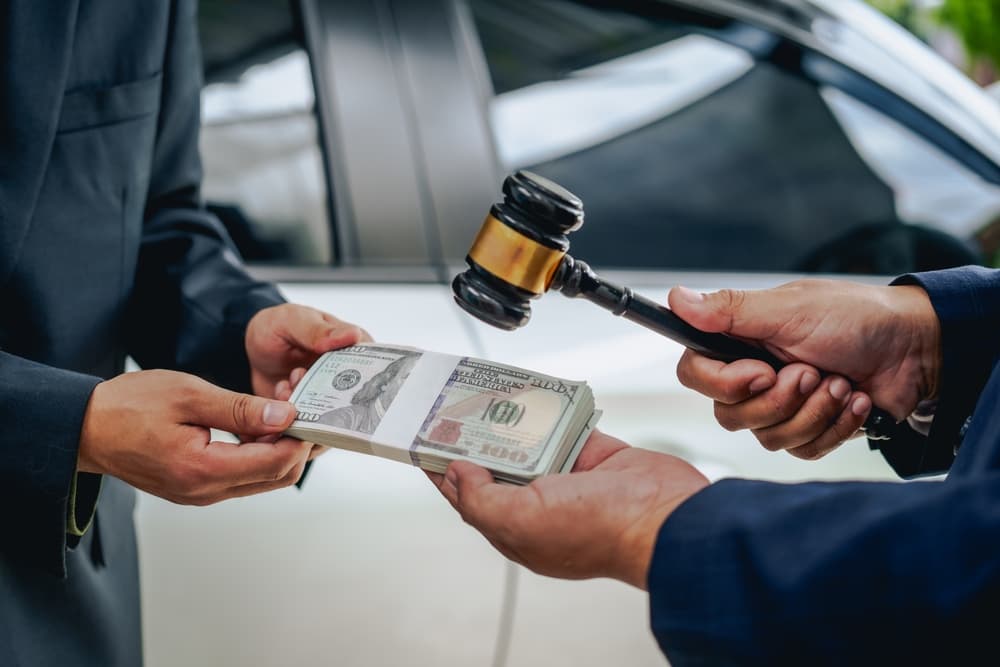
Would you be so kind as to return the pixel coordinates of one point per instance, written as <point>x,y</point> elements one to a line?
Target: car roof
<point>846,32</point>
<point>858,36</point>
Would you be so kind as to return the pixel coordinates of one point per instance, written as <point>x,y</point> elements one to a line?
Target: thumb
<point>756,314</point>
<point>232,412</point>
<point>480,500</point>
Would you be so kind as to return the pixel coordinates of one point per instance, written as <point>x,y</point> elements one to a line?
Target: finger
<point>296,377</point>
<point>229,465</point>
<point>211,406</point>
<point>283,391</point>
<point>757,314</point>
<point>795,383</point>
<point>599,447</point>
<point>445,486</point>
<point>851,418</point>
<point>244,490</point>
<point>273,438</point>
<point>319,332</point>
<point>815,416</point>
<point>482,502</point>
<point>727,383</point>
<point>317,450</point>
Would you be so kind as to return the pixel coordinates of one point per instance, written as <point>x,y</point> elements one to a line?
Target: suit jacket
<point>854,573</point>
<point>105,251</point>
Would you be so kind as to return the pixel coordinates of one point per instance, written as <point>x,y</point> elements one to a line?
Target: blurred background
<point>963,31</point>
<point>353,148</point>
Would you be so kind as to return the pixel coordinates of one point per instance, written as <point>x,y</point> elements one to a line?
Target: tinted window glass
<point>686,151</point>
<point>263,168</point>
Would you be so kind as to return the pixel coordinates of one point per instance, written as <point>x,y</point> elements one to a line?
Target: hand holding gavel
<point>521,252</point>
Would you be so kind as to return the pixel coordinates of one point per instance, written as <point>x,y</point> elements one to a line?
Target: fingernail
<point>839,388</point>
<point>276,414</point>
<point>808,382</point>
<point>861,405</point>
<point>760,384</point>
<point>689,295</point>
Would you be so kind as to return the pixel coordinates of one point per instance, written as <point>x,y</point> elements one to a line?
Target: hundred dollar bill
<point>496,415</point>
<point>428,409</point>
<point>353,389</point>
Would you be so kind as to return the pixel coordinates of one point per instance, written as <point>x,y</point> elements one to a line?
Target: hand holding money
<point>601,521</point>
<point>152,429</point>
<point>429,409</point>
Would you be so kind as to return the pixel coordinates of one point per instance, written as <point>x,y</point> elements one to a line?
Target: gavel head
<point>518,250</point>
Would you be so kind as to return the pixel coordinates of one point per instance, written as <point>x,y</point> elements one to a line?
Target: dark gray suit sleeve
<point>192,297</point>
<point>42,410</point>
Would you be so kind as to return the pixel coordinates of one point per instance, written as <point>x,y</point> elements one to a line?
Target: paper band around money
<point>513,257</point>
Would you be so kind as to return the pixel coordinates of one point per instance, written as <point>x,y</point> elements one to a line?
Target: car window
<point>930,187</point>
<point>263,167</point>
<point>690,154</point>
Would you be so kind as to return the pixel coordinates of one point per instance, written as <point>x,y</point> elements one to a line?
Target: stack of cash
<point>429,409</point>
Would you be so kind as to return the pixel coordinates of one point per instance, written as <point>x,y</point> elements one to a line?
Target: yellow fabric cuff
<point>82,504</point>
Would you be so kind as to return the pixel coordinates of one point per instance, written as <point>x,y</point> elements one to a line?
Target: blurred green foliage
<point>903,12</point>
<point>977,23</point>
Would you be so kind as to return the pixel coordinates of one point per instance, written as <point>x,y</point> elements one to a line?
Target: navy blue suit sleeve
<point>758,573</point>
<point>967,303</point>
<point>192,297</point>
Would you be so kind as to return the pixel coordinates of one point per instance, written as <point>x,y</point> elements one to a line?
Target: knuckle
<point>295,474</point>
<point>724,416</point>
<point>733,391</point>
<point>280,469</point>
<point>779,406</point>
<point>817,415</point>
<point>242,406</point>
<point>809,452</point>
<point>768,441</point>
<point>841,431</point>
<point>685,372</point>
<point>291,476</point>
<point>731,300</point>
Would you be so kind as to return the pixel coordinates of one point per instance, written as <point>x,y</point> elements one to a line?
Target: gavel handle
<point>575,279</point>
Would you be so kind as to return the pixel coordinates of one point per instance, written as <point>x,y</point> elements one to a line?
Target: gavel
<point>522,251</point>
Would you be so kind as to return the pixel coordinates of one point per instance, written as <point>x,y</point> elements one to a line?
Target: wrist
<point>924,333</point>
<point>639,542</point>
<point>903,342</point>
<point>87,451</point>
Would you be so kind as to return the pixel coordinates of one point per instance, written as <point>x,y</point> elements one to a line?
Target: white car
<point>353,149</point>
